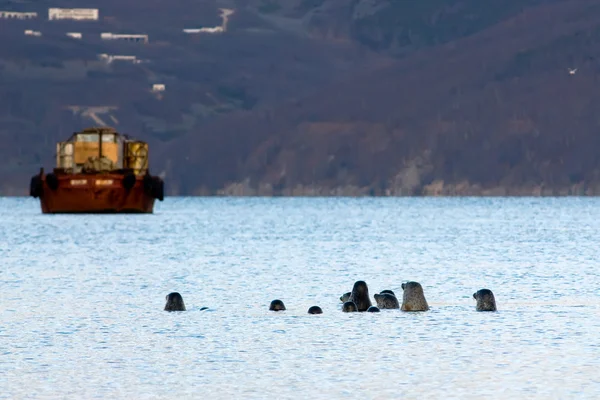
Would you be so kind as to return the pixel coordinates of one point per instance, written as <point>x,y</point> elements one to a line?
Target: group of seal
<point>358,300</point>
<point>413,299</point>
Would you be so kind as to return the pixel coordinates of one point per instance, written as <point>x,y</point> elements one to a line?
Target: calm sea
<point>82,297</point>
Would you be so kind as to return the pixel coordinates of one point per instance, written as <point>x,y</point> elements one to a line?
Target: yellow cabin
<point>101,149</point>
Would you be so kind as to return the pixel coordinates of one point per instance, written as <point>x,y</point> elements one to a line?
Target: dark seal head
<point>413,298</point>
<point>349,306</point>
<point>315,310</point>
<point>373,309</point>
<point>360,296</point>
<point>174,302</point>
<point>386,301</point>
<point>345,297</point>
<point>277,305</point>
<point>485,300</point>
<point>387,291</point>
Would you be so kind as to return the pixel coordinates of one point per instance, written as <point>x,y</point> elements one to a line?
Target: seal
<point>174,302</point>
<point>485,300</point>
<point>360,296</point>
<point>315,310</point>
<point>413,298</point>
<point>386,300</point>
<point>277,305</point>
<point>387,291</point>
<point>349,306</point>
<point>373,309</point>
<point>345,297</point>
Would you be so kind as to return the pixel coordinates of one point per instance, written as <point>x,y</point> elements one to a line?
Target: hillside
<point>493,113</point>
<point>206,76</point>
<point>321,97</point>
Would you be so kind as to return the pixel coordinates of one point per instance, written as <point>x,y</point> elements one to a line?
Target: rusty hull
<point>95,193</point>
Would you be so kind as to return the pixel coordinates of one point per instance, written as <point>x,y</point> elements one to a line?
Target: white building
<point>158,87</point>
<point>74,35</point>
<point>225,13</point>
<point>78,14</point>
<point>216,29</point>
<point>130,38</point>
<point>109,58</point>
<point>17,15</point>
<point>30,32</point>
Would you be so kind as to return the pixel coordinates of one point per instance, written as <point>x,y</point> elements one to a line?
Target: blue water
<point>82,297</point>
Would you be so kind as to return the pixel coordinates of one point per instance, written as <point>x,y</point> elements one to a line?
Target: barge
<point>98,170</point>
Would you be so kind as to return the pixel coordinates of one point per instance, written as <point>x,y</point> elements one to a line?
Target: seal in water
<point>413,298</point>
<point>277,305</point>
<point>315,310</point>
<point>373,309</point>
<point>485,300</point>
<point>345,297</point>
<point>386,300</point>
<point>360,296</point>
<point>387,291</point>
<point>349,306</point>
<point>174,302</point>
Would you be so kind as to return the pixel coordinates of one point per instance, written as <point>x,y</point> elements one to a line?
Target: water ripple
<point>82,299</point>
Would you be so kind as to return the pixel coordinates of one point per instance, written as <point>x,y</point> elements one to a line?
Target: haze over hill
<point>320,97</point>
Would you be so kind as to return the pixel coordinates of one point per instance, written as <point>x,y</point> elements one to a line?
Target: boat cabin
<point>101,149</point>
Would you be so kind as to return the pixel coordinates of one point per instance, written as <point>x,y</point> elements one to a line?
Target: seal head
<point>485,300</point>
<point>345,297</point>
<point>349,306</point>
<point>360,296</point>
<point>373,309</point>
<point>277,305</point>
<point>315,310</point>
<point>413,298</point>
<point>386,301</point>
<point>387,291</point>
<point>174,302</point>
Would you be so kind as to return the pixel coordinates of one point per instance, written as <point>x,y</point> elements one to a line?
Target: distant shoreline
<point>435,189</point>
<point>507,196</point>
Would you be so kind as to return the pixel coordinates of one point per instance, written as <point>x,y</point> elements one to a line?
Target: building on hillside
<point>158,87</point>
<point>77,14</point>
<point>109,58</point>
<point>225,14</point>
<point>17,15</point>
<point>129,38</point>
<point>74,35</point>
<point>216,29</point>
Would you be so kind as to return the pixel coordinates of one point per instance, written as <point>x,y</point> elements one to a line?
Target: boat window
<point>93,137</point>
<point>108,137</point>
<point>87,137</point>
